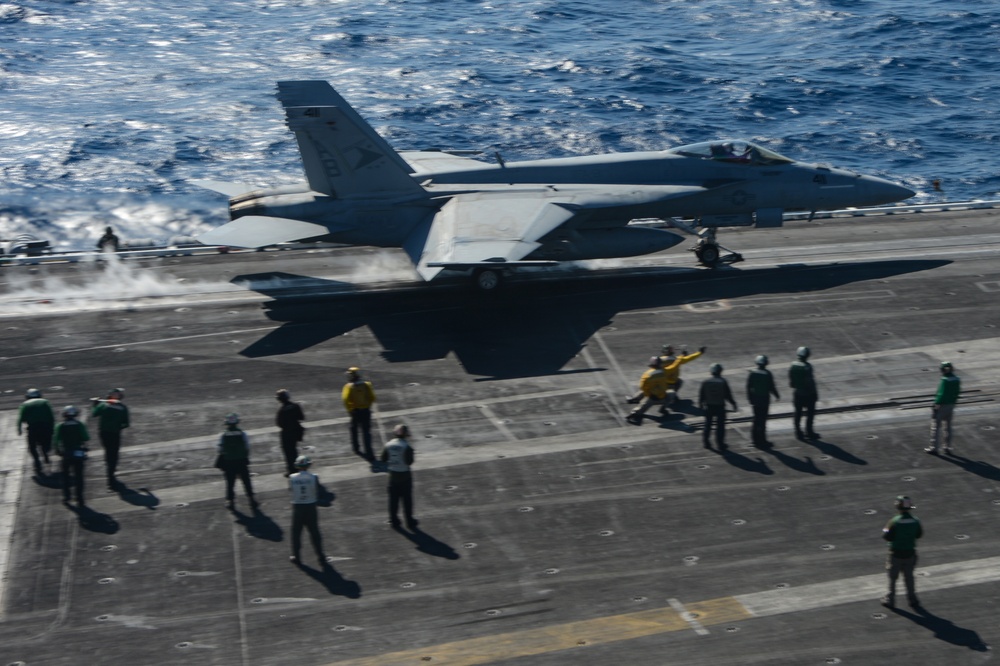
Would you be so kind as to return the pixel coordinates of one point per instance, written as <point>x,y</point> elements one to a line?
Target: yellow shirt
<point>358,395</point>
<point>673,371</point>
<point>654,381</point>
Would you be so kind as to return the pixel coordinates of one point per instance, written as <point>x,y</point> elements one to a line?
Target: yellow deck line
<point>566,636</point>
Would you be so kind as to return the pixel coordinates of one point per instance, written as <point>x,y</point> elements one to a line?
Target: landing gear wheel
<point>708,254</point>
<point>488,279</point>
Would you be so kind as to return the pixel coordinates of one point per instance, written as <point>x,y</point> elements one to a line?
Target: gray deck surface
<point>552,532</point>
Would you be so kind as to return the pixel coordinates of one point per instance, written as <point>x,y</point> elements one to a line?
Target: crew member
<point>672,372</point>
<point>760,388</point>
<point>712,399</point>
<point>358,396</point>
<point>944,408</point>
<point>234,460</point>
<point>398,456</point>
<point>653,385</point>
<point>902,532</point>
<point>305,496</point>
<point>804,393</point>
<point>36,413</point>
<point>113,416</point>
<point>673,377</point>
<point>108,242</point>
<point>289,419</point>
<point>70,439</point>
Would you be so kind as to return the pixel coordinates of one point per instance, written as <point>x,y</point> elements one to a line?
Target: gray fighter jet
<point>451,212</point>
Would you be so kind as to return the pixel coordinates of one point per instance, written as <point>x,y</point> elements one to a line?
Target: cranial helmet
<point>803,352</point>
<point>904,503</point>
<point>401,430</point>
<point>232,418</point>
<point>761,360</point>
<point>70,410</point>
<point>33,393</point>
<point>654,361</point>
<point>716,369</point>
<point>303,461</point>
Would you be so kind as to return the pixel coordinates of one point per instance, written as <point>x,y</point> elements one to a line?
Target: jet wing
<point>260,230</point>
<point>488,228</point>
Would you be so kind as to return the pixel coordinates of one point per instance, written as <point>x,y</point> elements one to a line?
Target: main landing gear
<point>488,279</point>
<point>707,250</point>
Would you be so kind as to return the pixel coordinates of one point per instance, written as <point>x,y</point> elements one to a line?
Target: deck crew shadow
<point>945,630</point>
<point>806,466</point>
<point>425,543</point>
<point>983,469</point>
<point>331,579</point>
<point>835,451</point>
<point>95,521</point>
<point>141,497</point>
<point>259,525</point>
<point>743,462</point>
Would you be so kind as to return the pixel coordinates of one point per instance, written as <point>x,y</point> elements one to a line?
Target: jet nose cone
<point>879,191</point>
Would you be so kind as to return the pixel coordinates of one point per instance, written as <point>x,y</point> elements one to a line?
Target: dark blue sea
<point>108,108</point>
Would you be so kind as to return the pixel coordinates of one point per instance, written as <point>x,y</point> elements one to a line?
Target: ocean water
<point>108,108</point>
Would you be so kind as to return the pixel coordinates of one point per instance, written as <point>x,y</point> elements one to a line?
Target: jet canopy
<point>735,151</point>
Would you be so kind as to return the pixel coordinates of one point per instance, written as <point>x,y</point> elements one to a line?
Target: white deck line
<point>12,455</point>
<point>867,588</point>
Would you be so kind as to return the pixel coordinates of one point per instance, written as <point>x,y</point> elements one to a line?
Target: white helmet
<point>33,393</point>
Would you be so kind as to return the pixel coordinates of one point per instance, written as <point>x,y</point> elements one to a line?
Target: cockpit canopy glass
<point>735,151</point>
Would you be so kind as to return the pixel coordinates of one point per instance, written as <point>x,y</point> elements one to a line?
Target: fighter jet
<point>450,212</point>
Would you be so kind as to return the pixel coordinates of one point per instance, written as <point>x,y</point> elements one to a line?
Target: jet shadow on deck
<point>532,327</point>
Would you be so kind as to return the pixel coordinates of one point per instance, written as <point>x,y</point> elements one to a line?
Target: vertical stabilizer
<point>342,155</point>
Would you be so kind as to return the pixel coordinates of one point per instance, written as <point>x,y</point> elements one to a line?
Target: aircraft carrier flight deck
<point>551,530</point>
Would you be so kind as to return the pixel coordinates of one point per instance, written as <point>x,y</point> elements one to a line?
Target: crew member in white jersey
<point>305,496</point>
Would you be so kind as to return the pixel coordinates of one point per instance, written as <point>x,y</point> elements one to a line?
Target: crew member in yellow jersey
<point>358,396</point>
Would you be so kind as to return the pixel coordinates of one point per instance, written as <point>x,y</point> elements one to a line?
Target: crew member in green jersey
<point>70,440</point>
<point>902,532</point>
<point>944,408</point>
<point>36,413</point>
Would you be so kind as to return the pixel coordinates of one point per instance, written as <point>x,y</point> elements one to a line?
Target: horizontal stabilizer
<point>524,263</point>
<point>259,231</point>
<point>229,189</point>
